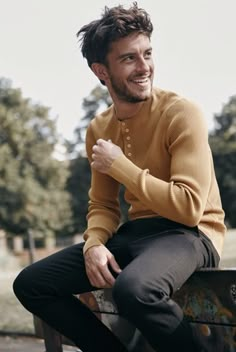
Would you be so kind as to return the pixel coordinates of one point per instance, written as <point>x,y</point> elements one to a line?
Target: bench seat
<point>208,300</point>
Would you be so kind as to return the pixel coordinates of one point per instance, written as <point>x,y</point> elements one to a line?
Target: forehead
<point>131,43</point>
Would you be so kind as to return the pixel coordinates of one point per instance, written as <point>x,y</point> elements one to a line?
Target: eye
<point>129,58</point>
<point>148,54</point>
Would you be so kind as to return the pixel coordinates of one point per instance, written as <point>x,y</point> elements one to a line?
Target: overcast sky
<point>194,44</point>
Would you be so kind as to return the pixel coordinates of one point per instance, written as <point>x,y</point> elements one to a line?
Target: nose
<point>142,65</point>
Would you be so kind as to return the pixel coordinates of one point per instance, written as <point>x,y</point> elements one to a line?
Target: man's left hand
<point>104,153</point>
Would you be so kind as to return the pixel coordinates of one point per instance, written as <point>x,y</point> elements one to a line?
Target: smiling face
<point>128,74</point>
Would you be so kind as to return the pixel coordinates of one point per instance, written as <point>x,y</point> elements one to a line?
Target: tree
<point>223,144</point>
<point>78,185</point>
<point>99,99</point>
<point>32,182</point>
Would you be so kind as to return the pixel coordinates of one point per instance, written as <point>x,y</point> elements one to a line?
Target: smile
<point>141,81</point>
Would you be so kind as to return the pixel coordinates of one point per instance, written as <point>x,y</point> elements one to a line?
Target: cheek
<point>152,66</point>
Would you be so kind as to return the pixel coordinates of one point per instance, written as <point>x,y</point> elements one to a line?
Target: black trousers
<point>157,256</point>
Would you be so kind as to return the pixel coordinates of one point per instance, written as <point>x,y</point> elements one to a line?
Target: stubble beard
<point>126,94</point>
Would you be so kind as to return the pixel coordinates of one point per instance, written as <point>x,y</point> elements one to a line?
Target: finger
<point>97,279</point>
<point>108,277</point>
<point>94,148</point>
<point>95,157</point>
<point>100,141</point>
<point>114,265</point>
<point>97,166</point>
<point>101,282</point>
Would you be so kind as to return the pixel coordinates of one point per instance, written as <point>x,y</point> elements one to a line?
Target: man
<point>155,143</point>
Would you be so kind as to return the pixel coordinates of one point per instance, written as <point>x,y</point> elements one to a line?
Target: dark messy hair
<point>115,23</point>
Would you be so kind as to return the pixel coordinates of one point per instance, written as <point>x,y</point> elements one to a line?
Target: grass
<point>14,317</point>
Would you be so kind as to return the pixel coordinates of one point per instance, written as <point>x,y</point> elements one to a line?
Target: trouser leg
<point>151,272</point>
<point>143,290</point>
<point>46,289</point>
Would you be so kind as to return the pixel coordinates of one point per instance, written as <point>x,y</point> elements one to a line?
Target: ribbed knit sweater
<point>167,169</point>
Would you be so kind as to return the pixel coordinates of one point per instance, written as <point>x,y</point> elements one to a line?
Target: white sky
<point>194,44</point>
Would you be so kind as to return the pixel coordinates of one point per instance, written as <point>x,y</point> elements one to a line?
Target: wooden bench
<point>208,300</point>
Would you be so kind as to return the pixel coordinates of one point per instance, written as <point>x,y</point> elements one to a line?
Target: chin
<point>138,98</point>
<point>146,94</point>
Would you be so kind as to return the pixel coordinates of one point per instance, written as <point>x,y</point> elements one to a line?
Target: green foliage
<point>99,99</point>
<point>32,182</point>
<point>78,186</point>
<point>223,144</point>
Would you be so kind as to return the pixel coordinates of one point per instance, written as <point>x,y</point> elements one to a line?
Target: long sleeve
<point>103,211</point>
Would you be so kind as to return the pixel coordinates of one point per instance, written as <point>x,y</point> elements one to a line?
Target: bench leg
<point>52,339</point>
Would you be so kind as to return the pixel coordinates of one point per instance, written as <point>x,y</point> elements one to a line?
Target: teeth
<point>141,80</point>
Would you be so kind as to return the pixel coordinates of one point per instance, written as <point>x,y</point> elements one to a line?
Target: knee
<point>128,294</point>
<point>134,295</point>
<point>23,288</point>
<point>20,283</point>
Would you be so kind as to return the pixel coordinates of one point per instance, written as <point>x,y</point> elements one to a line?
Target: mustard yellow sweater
<point>167,169</point>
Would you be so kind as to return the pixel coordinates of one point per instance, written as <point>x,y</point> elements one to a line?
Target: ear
<point>100,71</point>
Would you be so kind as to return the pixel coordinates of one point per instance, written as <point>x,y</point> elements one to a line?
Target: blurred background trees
<point>79,180</point>
<point>48,196</point>
<point>32,181</point>
<point>223,143</point>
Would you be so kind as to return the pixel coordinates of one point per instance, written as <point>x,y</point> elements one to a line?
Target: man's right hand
<point>97,262</point>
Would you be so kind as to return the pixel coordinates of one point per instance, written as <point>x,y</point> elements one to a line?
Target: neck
<point>125,111</point>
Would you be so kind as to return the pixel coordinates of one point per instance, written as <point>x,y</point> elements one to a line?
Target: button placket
<point>128,143</point>
<point>127,139</point>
